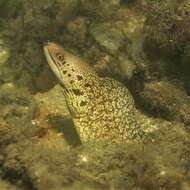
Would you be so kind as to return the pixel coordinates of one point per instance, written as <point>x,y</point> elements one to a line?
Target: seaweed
<point>33,152</point>
<point>168,23</point>
<point>23,34</point>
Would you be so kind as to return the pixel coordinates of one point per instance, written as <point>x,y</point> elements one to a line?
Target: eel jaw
<point>51,62</point>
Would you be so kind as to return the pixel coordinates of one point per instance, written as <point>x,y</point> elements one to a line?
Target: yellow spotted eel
<point>102,108</point>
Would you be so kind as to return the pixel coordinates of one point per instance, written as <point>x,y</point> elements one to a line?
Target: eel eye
<point>60,57</point>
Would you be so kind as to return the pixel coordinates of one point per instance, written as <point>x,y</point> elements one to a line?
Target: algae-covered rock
<point>9,8</point>
<point>4,53</point>
<point>27,69</point>
<point>4,185</point>
<point>25,162</point>
<point>51,165</point>
<point>167,34</point>
<point>16,104</point>
<point>168,23</point>
<point>76,32</point>
<point>52,102</point>
<point>123,40</point>
<point>67,10</point>
<point>167,26</point>
<point>54,114</point>
<point>127,67</point>
<point>23,35</point>
<point>98,9</point>
<point>165,99</point>
<point>139,167</point>
<point>35,153</point>
<point>108,37</point>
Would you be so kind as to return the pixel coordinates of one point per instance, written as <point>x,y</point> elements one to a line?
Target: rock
<point>110,3</point>
<point>76,31</point>
<point>88,167</point>
<point>4,53</point>
<point>108,37</point>
<point>160,162</point>
<point>99,6</point>
<point>127,67</point>
<point>131,24</point>
<point>32,143</point>
<point>5,185</point>
<point>53,114</point>
<point>30,161</point>
<point>16,104</point>
<point>52,102</point>
<point>67,10</point>
<point>151,124</point>
<point>124,40</point>
<point>6,74</point>
<point>166,100</point>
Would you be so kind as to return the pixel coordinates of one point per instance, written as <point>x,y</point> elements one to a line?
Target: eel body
<point>102,108</point>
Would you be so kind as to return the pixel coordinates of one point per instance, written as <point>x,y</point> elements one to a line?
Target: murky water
<point>132,133</point>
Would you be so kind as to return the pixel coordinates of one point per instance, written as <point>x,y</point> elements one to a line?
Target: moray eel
<point>102,108</point>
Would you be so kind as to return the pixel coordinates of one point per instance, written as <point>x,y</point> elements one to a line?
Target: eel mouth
<point>48,50</point>
<point>47,53</point>
<point>49,59</point>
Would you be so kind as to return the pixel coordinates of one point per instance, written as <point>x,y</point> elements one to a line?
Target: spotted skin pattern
<point>102,108</point>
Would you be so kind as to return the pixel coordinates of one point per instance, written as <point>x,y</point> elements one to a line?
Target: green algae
<point>167,23</point>
<point>4,54</point>
<point>16,104</point>
<point>164,99</point>
<point>30,162</point>
<point>26,163</point>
